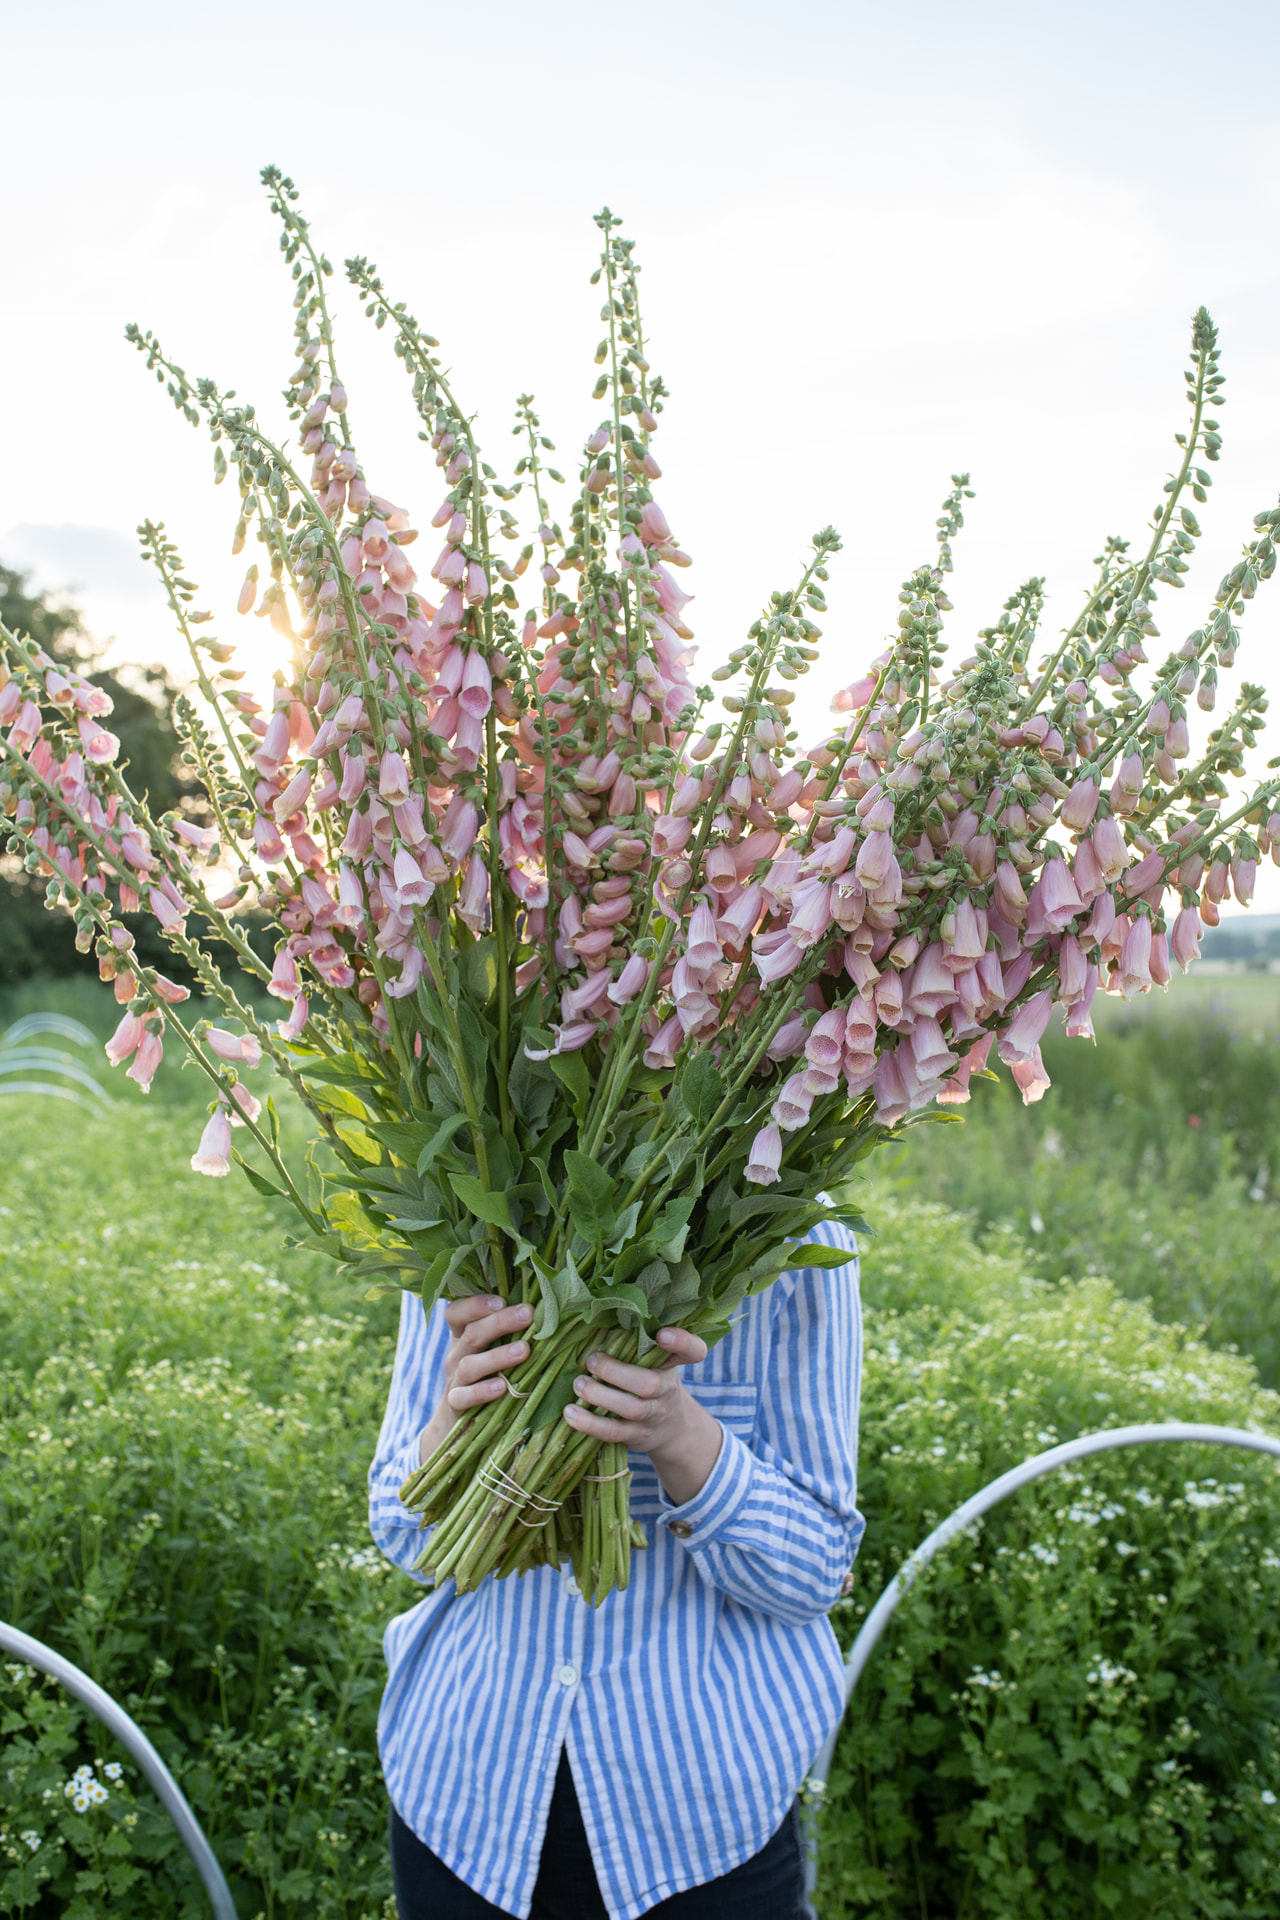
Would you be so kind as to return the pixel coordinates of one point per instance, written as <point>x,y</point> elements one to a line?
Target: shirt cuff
<point>397,1471</point>
<point>718,1501</point>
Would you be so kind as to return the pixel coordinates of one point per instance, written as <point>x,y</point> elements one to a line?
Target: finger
<point>460,1398</point>
<point>684,1348</point>
<point>460,1313</point>
<point>478,1366</point>
<point>494,1326</point>
<point>620,1432</point>
<point>625,1405</point>
<point>644,1382</point>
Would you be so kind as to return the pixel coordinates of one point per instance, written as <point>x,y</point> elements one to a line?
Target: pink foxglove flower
<point>125,1040</point>
<point>213,1155</point>
<point>146,1059</point>
<point>242,1049</point>
<point>1186,937</point>
<point>765,1158</point>
<point>1030,1078</point>
<point>1026,1029</point>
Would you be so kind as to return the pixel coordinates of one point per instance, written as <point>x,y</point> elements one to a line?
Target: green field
<point>1078,1713</point>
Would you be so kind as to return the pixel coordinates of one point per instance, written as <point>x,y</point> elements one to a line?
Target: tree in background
<point>32,939</point>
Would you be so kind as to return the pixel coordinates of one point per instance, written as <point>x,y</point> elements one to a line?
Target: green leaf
<point>650,1079</point>
<point>626,1299</point>
<point>563,1291</point>
<point>670,1229</point>
<point>810,1254</point>
<point>548,1185</point>
<point>625,1225</point>
<point>653,1280</point>
<point>590,1196</point>
<point>433,1278</point>
<point>686,1285</point>
<point>264,1186</point>
<point>360,1143</point>
<point>570,1070</point>
<point>413,1226</point>
<point>480,969</point>
<point>701,1088</point>
<point>556,1398</point>
<point>404,1138</point>
<point>345,1212</point>
<point>477,1199</point>
<point>339,1069</point>
<point>273,1121</point>
<point>475,1047</point>
<point>440,1140</point>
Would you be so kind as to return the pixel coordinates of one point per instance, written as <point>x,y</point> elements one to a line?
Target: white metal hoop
<point>135,1741</point>
<point>989,1496</point>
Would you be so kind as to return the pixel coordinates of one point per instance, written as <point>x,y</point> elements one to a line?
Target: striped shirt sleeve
<point>416,1385</point>
<point>776,1525</point>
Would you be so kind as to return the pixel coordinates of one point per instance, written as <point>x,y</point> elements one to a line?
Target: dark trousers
<point>769,1886</point>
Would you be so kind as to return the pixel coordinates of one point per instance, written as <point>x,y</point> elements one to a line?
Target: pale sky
<point>880,245</point>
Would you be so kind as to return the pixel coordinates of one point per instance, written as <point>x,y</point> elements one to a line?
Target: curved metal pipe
<point>131,1737</point>
<point>989,1496</point>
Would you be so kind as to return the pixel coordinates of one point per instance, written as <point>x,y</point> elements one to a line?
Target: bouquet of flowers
<point>597,999</point>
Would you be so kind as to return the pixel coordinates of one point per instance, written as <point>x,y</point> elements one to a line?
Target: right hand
<point>486,1344</point>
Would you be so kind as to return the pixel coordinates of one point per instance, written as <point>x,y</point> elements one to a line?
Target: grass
<point>1154,1159</point>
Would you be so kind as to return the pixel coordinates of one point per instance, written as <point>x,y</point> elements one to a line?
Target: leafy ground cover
<point>1077,1712</point>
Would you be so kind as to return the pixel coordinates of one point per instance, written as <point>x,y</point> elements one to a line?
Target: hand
<point>653,1413</point>
<point>475,1364</point>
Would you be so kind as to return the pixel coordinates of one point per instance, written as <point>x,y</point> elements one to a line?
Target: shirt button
<point>681,1529</point>
<point>568,1676</point>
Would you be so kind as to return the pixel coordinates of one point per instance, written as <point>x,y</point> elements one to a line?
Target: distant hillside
<point>1252,938</point>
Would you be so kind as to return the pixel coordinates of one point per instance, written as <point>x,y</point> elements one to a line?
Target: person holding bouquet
<point>549,1759</point>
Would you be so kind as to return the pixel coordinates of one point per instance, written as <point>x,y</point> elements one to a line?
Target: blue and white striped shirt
<point>691,1705</point>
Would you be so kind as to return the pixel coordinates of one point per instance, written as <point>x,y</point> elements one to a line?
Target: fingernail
<point>519,1349</point>
<point>596,1360</point>
<point>494,1304</point>
<point>581,1384</point>
<point>524,1313</point>
<point>573,1415</point>
<point>667,1335</point>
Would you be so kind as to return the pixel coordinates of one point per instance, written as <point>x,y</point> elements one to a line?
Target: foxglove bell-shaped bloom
<point>290,1029</point>
<point>1109,850</point>
<point>1135,958</point>
<point>459,828</point>
<point>633,979</point>
<point>1080,806</point>
<point>241,1049</point>
<point>703,949</point>
<point>793,1104</point>
<point>125,1039</point>
<point>1025,1031</point>
<point>1009,896</point>
<point>393,777</point>
<point>146,1060</point>
<point>473,900</point>
<point>766,1157</point>
<point>213,1155</point>
<point>877,868</point>
<point>824,1046</point>
<point>1030,1078</point>
<point>411,888</point>
<point>1187,929</point>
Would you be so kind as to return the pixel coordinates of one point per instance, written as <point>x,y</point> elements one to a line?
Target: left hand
<point>653,1412</point>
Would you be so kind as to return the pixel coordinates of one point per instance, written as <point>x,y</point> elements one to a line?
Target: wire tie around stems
<point>515,1392</point>
<point>504,1487</point>
<point>621,1475</point>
